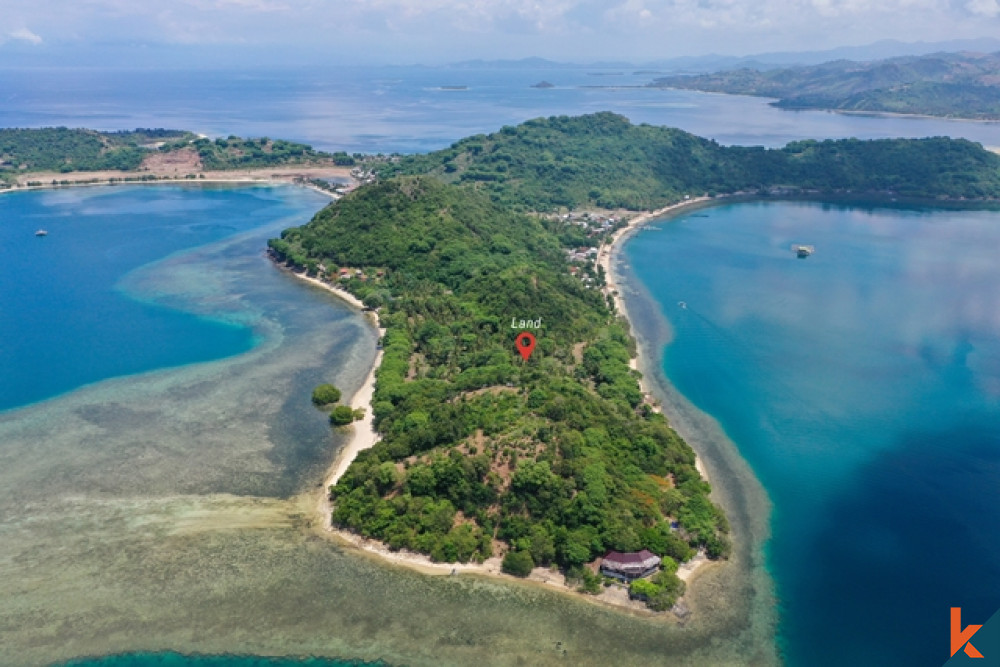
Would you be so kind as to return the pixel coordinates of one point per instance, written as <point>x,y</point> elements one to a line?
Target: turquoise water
<point>71,322</point>
<point>863,386</point>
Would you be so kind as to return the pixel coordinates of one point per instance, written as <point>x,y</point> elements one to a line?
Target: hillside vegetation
<point>558,459</point>
<point>63,150</point>
<point>959,85</point>
<point>602,160</point>
<point>236,153</point>
<point>551,461</point>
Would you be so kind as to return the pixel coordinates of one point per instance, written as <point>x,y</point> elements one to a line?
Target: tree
<point>660,593</point>
<point>325,394</point>
<point>669,588</point>
<point>341,415</point>
<point>543,549</point>
<point>518,563</point>
<point>642,589</point>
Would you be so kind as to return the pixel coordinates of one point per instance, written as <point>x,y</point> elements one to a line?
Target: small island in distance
<point>543,84</point>
<point>951,85</point>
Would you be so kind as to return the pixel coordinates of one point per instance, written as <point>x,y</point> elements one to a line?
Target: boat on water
<point>803,251</point>
<point>41,232</point>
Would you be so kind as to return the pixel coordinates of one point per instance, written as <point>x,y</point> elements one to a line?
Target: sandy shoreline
<point>271,176</point>
<point>606,254</point>
<point>363,435</point>
<point>275,174</point>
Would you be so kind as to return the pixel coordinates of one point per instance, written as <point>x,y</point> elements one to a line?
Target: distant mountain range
<point>956,85</point>
<point>887,48</point>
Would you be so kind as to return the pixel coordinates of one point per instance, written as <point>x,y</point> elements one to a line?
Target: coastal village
<point>597,228</point>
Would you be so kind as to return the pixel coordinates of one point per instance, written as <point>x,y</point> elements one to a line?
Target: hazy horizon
<point>200,33</point>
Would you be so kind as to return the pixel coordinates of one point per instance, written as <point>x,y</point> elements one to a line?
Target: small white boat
<point>803,251</point>
<point>41,232</point>
<point>682,304</point>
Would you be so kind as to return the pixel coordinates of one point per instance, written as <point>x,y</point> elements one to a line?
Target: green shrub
<point>518,563</point>
<point>325,394</point>
<point>591,583</point>
<point>341,415</point>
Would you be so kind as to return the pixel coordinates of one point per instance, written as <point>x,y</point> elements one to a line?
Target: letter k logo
<point>960,637</point>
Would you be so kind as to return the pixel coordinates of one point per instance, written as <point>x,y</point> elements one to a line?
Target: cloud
<point>468,15</point>
<point>430,30</point>
<point>987,8</point>
<point>25,35</point>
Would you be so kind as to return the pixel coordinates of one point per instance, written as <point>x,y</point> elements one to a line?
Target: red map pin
<point>525,344</point>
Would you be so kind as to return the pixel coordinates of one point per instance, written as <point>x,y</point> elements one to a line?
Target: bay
<point>70,323</point>
<point>862,385</point>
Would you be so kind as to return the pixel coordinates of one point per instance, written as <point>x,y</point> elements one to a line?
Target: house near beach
<point>631,565</point>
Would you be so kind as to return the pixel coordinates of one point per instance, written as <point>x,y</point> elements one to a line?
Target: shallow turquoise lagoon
<point>863,386</point>
<point>68,317</point>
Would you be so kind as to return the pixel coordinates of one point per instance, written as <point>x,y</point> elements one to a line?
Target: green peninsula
<point>603,161</point>
<point>954,85</point>
<point>561,458</point>
<point>142,154</point>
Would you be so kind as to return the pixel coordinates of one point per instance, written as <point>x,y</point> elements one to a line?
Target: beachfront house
<point>631,565</point>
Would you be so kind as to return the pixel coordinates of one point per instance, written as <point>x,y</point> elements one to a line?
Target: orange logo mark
<point>960,637</point>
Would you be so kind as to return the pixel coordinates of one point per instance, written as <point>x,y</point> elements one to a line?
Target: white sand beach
<point>605,257</point>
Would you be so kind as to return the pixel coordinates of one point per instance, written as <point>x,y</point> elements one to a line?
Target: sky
<point>440,31</point>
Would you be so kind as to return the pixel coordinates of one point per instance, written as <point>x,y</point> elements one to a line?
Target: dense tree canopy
<point>602,160</point>
<point>236,153</point>
<point>62,149</point>
<point>67,150</point>
<point>556,459</point>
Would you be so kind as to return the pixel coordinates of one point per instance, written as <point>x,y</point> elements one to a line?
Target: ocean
<point>862,385</point>
<point>411,109</point>
<point>159,456</point>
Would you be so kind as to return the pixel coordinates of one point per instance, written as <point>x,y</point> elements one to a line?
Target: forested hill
<point>557,459</point>
<point>959,85</point>
<point>551,461</point>
<point>64,150</point>
<point>603,160</point>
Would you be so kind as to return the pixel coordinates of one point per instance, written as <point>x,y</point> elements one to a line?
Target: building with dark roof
<point>629,566</point>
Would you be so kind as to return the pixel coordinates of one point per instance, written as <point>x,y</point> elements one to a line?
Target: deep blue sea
<point>863,386</point>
